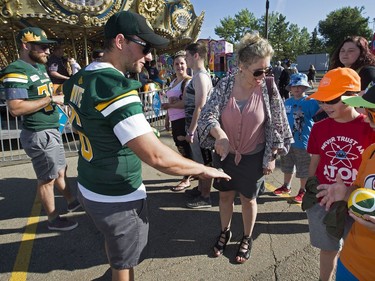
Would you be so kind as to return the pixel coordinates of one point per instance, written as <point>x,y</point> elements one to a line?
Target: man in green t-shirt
<point>115,137</point>
<point>28,91</point>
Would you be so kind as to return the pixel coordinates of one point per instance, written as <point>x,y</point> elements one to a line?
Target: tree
<point>233,29</point>
<point>341,23</point>
<point>316,44</point>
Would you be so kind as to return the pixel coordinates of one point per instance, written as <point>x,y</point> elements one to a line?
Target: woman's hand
<point>222,147</point>
<point>271,166</point>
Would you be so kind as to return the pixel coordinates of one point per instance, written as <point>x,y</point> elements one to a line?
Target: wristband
<point>190,134</point>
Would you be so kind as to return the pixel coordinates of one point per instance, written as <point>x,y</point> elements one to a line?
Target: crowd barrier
<point>10,127</point>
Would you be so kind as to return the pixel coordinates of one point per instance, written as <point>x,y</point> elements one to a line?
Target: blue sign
<point>63,119</point>
<point>156,104</point>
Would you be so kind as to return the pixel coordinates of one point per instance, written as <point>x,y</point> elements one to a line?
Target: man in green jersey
<point>115,137</point>
<point>28,90</point>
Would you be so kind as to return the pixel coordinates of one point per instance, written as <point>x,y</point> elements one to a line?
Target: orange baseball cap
<point>336,82</point>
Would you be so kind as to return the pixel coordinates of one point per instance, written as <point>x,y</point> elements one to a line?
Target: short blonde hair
<point>253,47</point>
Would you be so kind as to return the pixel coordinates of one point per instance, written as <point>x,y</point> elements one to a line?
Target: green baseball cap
<point>34,35</point>
<point>366,101</point>
<point>129,23</point>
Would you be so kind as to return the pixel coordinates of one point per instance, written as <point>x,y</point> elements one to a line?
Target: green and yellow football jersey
<point>22,80</point>
<point>107,113</point>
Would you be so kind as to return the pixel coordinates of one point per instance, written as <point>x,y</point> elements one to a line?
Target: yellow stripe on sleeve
<point>104,105</point>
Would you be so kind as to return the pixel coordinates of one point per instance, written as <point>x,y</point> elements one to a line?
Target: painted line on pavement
<point>22,262</point>
<point>271,188</point>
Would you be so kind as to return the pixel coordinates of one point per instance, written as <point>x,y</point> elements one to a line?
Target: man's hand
<point>210,173</point>
<point>59,99</point>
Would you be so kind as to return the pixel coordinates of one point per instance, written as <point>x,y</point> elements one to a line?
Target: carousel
<point>78,24</point>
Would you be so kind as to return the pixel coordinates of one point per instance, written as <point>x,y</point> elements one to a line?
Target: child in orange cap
<point>357,256</point>
<point>336,145</point>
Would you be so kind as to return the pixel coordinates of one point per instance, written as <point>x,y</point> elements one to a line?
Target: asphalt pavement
<point>180,239</point>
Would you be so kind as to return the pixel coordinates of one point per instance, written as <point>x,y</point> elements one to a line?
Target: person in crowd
<point>116,137</point>
<point>244,120</point>
<point>354,52</point>
<point>311,75</point>
<point>154,73</point>
<point>335,144</point>
<point>176,112</point>
<point>195,97</point>
<point>59,68</point>
<point>285,78</point>
<point>29,93</point>
<point>300,112</point>
<point>277,69</point>
<point>357,256</point>
<point>97,54</point>
<point>74,65</point>
<point>144,77</point>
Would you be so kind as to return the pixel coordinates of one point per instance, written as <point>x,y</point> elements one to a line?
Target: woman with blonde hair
<point>244,120</point>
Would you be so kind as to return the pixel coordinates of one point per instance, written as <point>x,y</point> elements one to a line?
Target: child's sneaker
<point>299,197</point>
<point>281,190</point>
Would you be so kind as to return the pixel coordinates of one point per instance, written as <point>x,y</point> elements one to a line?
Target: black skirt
<point>247,176</point>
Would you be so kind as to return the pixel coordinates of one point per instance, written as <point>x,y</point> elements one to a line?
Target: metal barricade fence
<point>10,127</point>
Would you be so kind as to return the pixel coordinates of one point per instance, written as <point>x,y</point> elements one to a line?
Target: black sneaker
<point>199,203</point>
<point>193,192</point>
<point>62,224</point>
<point>75,205</point>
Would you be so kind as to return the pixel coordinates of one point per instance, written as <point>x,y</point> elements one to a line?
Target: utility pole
<point>266,25</point>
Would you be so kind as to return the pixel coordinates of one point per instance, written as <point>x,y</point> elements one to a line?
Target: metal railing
<point>10,127</point>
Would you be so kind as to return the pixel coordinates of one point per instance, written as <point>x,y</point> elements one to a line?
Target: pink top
<point>175,92</point>
<point>245,130</point>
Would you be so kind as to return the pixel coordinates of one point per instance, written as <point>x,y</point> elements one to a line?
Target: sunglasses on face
<point>370,114</point>
<point>43,47</point>
<point>260,72</point>
<point>334,101</point>
<point>146,47</point>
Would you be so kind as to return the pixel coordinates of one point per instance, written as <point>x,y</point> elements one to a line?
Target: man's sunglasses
<point>370,114</point>
<point>41,46</point>
<point>260,72</point>
<point>146,47</point>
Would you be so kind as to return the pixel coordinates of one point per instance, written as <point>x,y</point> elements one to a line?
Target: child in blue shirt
<point>300,112</point>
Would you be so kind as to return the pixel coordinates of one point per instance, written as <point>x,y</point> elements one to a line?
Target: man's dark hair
<point>96,54</point>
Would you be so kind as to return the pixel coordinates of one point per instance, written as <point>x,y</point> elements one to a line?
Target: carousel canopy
<point>78,24</point>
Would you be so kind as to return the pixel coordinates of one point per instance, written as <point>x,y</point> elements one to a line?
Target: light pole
<point>266,25</point>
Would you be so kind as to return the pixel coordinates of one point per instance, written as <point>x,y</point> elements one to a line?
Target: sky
<point>304,13</point>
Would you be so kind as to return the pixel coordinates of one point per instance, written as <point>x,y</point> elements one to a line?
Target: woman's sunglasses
<point>146,47</point>
<point>260,72</point>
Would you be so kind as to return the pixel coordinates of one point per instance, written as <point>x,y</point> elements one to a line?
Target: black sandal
<point>222,241</point>
<point>244,249</point>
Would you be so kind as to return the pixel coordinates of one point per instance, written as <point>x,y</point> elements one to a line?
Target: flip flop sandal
<point>181,186</point>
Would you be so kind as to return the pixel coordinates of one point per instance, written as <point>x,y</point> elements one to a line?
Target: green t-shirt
<point>107,113</point>
<point>22,80</point>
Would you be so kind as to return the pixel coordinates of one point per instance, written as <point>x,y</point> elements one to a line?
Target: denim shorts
<point>124,227</point>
